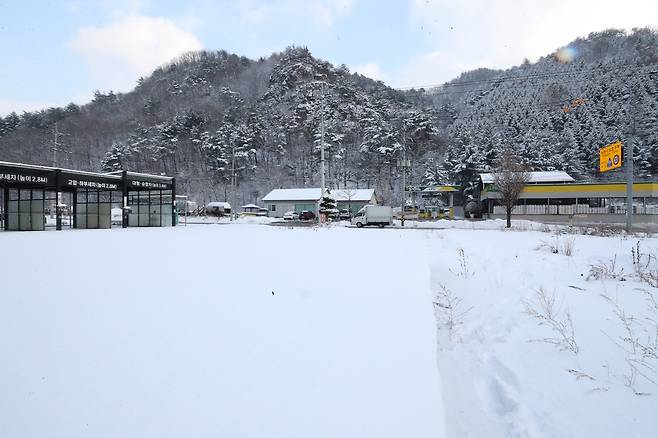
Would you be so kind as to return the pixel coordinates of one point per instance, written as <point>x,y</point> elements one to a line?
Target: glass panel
<point>38,219</point>
<point>12,213</point>
<point>81,216</point>
<point>12,206</point>
<point>92,215</point>
<point>104,219</point>
<point>24,217</point>
<point>166,215</point>
<point>132,219</point>
<point>143,211</point>
<point>167,199</point>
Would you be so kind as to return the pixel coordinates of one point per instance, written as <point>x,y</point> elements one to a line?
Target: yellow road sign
<point>610,157</point>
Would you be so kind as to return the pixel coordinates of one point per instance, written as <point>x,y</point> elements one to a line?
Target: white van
<point>373,215</point>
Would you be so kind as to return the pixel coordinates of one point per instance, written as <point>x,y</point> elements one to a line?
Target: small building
<point>251,209</point>
<point>557,193</point>
<point>218,208</point>
<point>80,199</point>
<point>279,201</point>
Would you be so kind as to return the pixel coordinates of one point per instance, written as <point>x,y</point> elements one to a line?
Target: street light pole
<point>404,171</point>
<point>322,182</point>
<point>233,206</point>
<point>628,155</point>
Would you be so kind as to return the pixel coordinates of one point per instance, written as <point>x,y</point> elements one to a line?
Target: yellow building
<point>556,193</point>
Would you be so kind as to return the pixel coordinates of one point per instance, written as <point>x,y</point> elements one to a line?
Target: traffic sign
<point>610,157</point>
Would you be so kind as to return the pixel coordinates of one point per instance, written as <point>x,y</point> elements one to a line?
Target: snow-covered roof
<point>444,188</point>
<point>313,194</point>
<point>251,206</point>
<point>293,195</point>
<point>359,195</point>
<point>218,204</point>
<point>552,176</point>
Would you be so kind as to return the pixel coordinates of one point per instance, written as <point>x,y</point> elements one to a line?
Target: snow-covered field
<point>249,330</point>
<point>505,375</point>
<point>230,331</point>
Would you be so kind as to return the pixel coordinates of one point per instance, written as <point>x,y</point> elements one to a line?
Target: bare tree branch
<point>510,177</point>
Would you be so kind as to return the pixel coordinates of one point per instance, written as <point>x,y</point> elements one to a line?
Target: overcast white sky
<point>57,52</point>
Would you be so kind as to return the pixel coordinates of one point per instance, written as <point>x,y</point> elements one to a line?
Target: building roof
<point>313,194</point>
<point>251,206</point>
<point>358,195</point>
<point>443,188</point>
<point>554,176</point>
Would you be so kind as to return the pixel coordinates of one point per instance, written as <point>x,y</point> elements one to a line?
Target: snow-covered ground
<point>243,219</point>
<point>231,331</point>
<point>249,330</point>
<point>503,375</point>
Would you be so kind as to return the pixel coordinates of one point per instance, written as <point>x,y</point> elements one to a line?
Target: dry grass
<point>550,313</point>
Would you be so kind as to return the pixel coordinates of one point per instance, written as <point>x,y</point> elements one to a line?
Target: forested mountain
<point>207,113</point>
<point>556,112</point>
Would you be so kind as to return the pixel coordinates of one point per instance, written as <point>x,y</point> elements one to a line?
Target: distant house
<point>253,209</point>
<point>279,201</point>
<point>218,208</point>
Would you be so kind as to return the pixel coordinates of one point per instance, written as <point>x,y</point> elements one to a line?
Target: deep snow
<point>176,332</point>
<point>499,378</point>
<point>236,331</point>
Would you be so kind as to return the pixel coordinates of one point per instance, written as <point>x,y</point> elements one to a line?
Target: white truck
<point>373,215</point>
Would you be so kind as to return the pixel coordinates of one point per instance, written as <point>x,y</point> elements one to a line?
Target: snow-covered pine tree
<point>328,205</point>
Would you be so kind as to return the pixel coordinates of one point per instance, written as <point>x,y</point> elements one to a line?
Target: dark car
<point>306,215</point>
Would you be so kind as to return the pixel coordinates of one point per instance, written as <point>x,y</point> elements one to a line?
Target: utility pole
<point>58,200</point>
<point>404,170</point>
<point>55,144</point>
<point>628,156</point>
<point>233,205</point>
<point>322,183</point>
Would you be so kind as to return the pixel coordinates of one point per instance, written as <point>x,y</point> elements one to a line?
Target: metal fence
<point>576,209</point>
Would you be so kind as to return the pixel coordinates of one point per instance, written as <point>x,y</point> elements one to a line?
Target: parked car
<point>290,216</point>
<point>306,215</point>
<point>262,212</point>
<point>344,215</point>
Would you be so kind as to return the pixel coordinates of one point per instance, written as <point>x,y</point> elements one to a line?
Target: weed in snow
<point>563,246</point>
<point>448,309</point>
<point>639,342</point>
<point>549,313</point>
<point>579,375</point>
<point>606,271</point>
<point>645,265</point>
<point>463,270</point>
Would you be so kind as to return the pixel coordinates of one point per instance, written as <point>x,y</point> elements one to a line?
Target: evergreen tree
<point>328,205</point>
